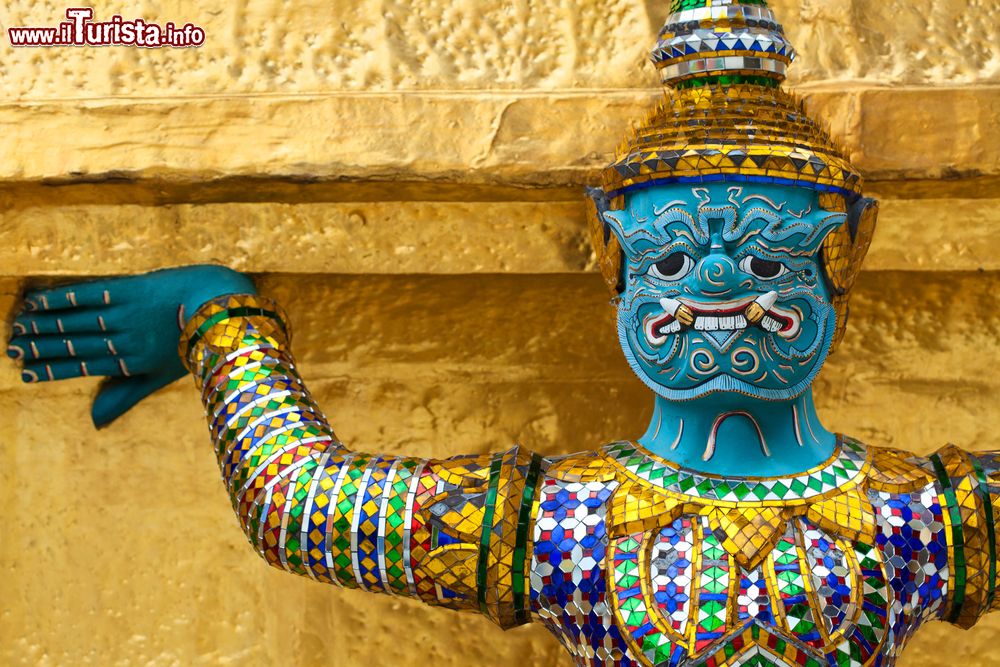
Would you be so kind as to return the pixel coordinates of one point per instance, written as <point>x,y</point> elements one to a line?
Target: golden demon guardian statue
<point>736,531</point>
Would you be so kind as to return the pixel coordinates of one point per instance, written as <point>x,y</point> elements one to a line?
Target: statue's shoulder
<point>581,467</point>
<point>952,495</point>
<point>893,470</point>
<point>900,471</point>
<point>609,463</point>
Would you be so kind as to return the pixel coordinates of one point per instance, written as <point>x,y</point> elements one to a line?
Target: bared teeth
<point>726,323</point>
<point>678,310</point>
<point>756,311</point>
<point>673,327</point>
<point>684,315</point>
<point>771,324</point>
<point>707,323</point>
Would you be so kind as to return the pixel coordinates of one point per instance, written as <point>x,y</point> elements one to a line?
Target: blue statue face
<point>724,290</point>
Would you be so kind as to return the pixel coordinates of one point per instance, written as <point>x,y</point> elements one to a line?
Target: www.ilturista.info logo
<point>82,30</point>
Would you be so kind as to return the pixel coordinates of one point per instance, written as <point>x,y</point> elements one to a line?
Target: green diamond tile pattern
<point>844,467</point>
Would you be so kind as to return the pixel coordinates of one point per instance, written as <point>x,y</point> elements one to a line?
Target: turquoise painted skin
<point>723,246</point>
<point>708,247</point>
<point>125,329</point>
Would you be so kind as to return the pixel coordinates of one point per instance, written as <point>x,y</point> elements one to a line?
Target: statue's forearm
<point>311,506</point>
<point>268,434</point>
<point>293,485</point>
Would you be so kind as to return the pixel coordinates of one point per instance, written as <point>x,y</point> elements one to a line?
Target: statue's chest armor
<point>638,561</point>
<point>679,597</point>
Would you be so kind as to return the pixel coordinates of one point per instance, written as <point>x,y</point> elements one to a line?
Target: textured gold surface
<point>258,46</point>
<point>95,572</point>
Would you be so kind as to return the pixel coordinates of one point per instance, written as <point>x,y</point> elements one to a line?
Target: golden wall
<point>405,177</point>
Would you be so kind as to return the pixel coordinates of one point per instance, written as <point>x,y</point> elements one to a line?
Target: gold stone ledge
<point>514,138</point>
<point>951,186</point>
<point>393,238</point>
<point>412,237</point>
<point>116,188</point>
<point>937,133</point>
<point>921,235</point>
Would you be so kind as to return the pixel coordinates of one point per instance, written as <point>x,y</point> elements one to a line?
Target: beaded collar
<point>843,468</point>
<point>748,514</point>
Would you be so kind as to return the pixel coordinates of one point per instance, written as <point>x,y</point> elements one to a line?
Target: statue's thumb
<point>119,395</point>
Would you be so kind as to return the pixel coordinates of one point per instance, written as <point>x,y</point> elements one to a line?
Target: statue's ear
<point>861,220</point>
<point>614,223</point>
<point>844,249</point>
<point>842,254</point>
<point>606,234</point>
<point>602,206</point>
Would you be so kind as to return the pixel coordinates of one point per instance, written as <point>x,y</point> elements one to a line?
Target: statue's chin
<point>723,383</point>
<point>647,367</point>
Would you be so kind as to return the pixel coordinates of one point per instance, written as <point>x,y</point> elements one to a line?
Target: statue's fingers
<point>79,295</point>
<point>83,321</point>
<point>83,346</point>
<point>63,369</point>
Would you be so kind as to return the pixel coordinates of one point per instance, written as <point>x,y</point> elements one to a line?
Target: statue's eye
<point>765,269</point>
<point>673,267</point>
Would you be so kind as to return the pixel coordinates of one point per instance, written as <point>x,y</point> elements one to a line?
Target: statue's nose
<point>716,273</point>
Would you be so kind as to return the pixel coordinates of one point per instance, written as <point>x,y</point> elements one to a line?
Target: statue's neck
<point>734,435</point>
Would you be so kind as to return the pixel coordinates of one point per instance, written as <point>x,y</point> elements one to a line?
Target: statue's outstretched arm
<point>453,532</point>
<point>311,506</point>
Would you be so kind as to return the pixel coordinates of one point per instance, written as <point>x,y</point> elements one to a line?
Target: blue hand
<point>125,329</point>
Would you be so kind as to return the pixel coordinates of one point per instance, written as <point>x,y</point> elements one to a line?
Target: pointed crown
<point>725,116</point>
